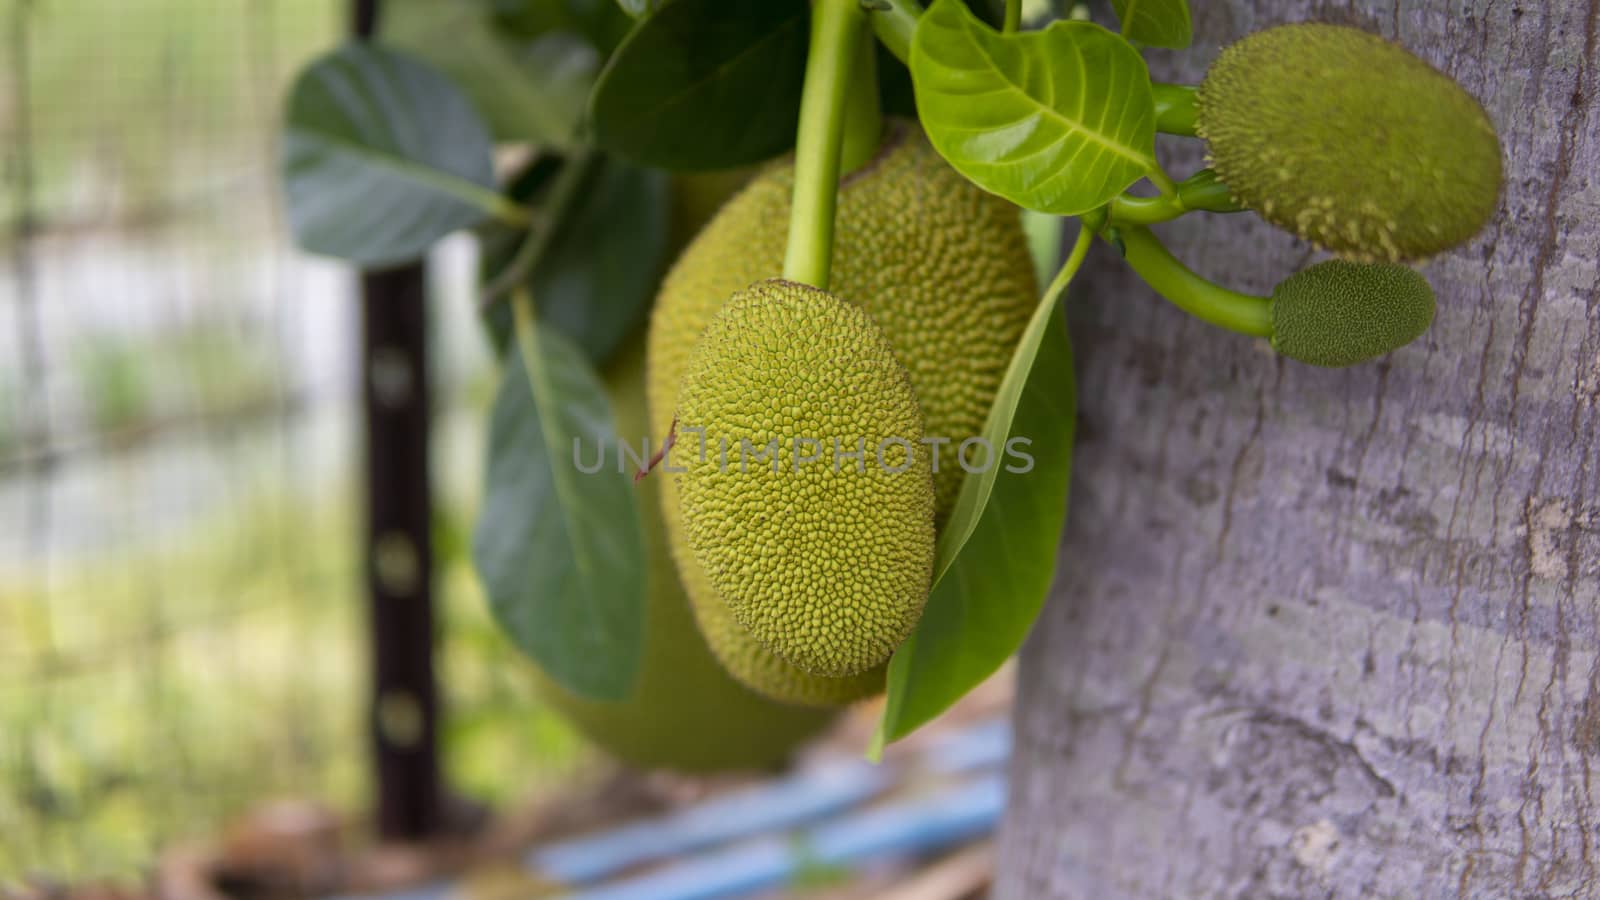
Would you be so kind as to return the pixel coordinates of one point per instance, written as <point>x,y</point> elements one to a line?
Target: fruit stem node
<point>1176,112</point>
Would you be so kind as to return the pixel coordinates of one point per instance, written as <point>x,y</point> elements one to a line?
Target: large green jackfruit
<point>943,270</point>
<point>810,508</point>
<point>685,712</point>
<point>1349,141</point>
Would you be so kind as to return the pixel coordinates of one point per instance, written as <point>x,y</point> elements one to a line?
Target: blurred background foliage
<point>181,619</point>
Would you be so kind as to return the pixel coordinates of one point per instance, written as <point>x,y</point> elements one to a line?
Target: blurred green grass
<point>148,698</point>
<point>149,695</point>
<point>127,97</point>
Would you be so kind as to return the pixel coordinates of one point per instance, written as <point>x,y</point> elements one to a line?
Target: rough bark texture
<point>1334,633</point>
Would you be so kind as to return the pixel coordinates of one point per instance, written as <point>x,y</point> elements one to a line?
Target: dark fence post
<point>399,552</point>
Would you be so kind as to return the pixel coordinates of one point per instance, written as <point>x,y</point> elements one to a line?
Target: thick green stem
<point>1013,19</point>
<point>1127,209</point>
<point>863,112</point>
<point>1175,108</point>
<point>894,21</point>
<point>1199,192</point>
<point>836,27</point>
<point>1205,192</point>
<point>1243,313</point>
<point>1163,182</point>
<point>510,212</point>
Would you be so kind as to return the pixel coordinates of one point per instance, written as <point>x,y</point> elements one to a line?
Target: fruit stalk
<point>838,28</point>
<point>1175,108</point>
<point>1243,313</point>
<point>863,114</point>
<point>1200,191</point>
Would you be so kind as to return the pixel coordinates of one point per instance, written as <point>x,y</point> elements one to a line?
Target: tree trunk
<point>1334,633</point>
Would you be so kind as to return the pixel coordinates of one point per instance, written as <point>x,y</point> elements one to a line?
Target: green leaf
<point>528,89</point>
<point>1159,23</point>
<point>996,553</point>
<point>705,84</point>
<point>595,279</point>
<point>1044,242</point>
<point>561,552</point>
<point>602,22</point>
<point>381,156</point>
<point>1059,120</point>
<point>995,581</point>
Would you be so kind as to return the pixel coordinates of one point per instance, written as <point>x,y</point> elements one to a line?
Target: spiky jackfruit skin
<point>760,669</point>
<point>807,490</point>
<point>943,269</point>
<point>941,266</point>
<point>685,713</point>
<point>1340,313</point>
<point>1349,141</point>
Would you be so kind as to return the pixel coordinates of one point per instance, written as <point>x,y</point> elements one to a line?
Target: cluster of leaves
<point>390,146</point>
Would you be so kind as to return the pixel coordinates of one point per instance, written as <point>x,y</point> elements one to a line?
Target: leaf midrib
<point>675,100</point>
<point>546,410</point>
<point>463,189</point>
<point>1116,147</point>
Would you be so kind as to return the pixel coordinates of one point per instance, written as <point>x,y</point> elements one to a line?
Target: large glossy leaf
<point>1059,120</point>
<point>561,552</point>
<point>528,89</point>
<point>595,278</point>
<point>995,581</point>
<point>381,156</point>
<point>1159,23</point>
<point>704,84</point>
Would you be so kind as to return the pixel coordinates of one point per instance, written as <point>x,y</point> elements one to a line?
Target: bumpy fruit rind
<point>686,712</point>
<point>1350,142</point>
<point>807,491</point>
<point>1339,313</point>
<point>943,269</point>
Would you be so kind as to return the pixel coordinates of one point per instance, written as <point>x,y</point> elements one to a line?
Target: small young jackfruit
<point>943,269</point>
<point>685,713</point>
<point>1349,141</point>
<point>1340,313</point>
<point>807,490</point>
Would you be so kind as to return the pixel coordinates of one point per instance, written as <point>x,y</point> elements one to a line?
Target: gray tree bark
<point>1334,633</point>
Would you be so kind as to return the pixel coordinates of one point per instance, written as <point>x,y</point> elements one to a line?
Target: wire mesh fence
<point>180,631</point>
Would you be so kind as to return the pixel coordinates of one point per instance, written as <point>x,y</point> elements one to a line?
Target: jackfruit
<point>685,713</point>
<point>943,269</point>
<point>808,501</point>
<point>1340,313</point>
<point>1349,141</point>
